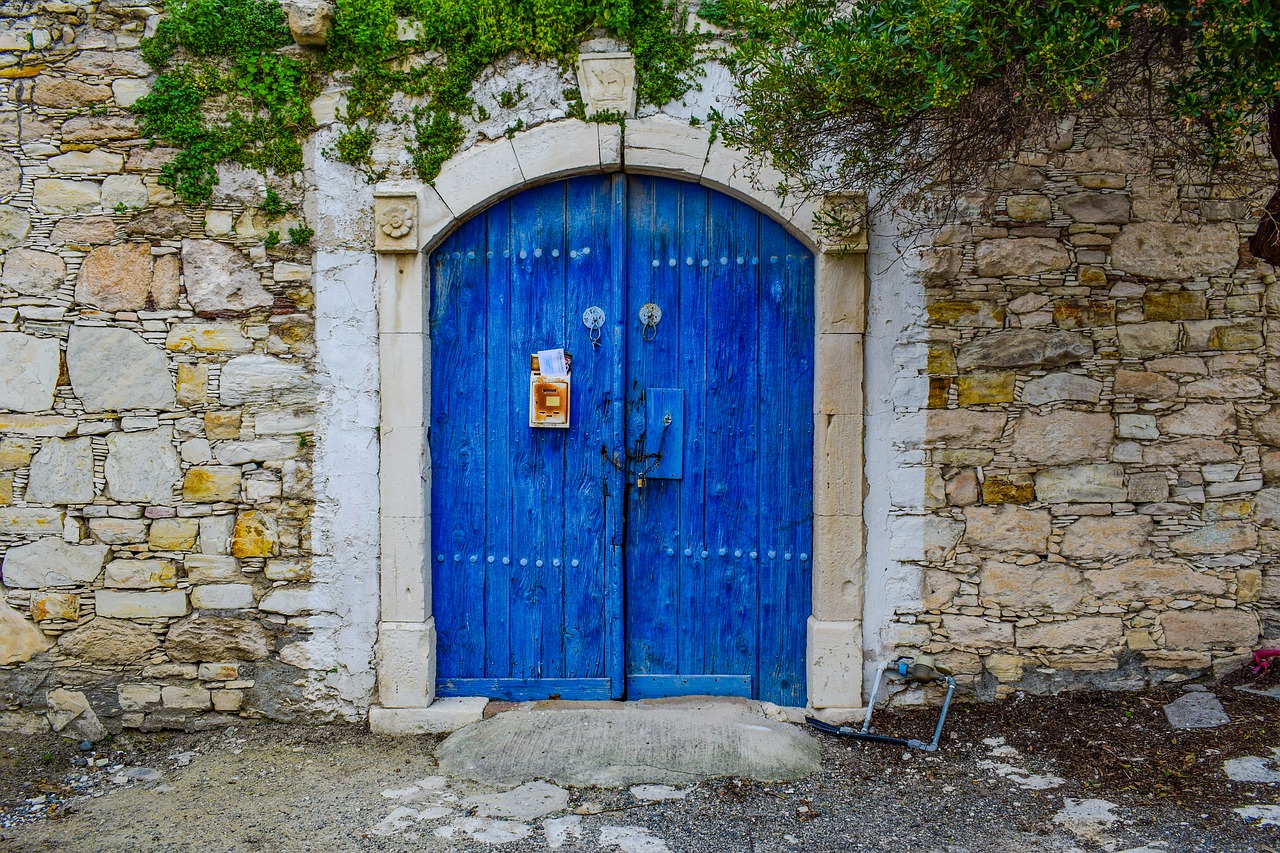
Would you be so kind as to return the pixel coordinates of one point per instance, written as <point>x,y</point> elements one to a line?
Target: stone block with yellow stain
<point>211,484</point>
<point>968,313</point>
<point>1010,489</point>
<point>255,536</point>
<point>1084,313</point>
<point>1005,668</point>
<point>193,385</point>
<point>987,387</point>
<point>64,606</point>
<point>219,426</point>
<point>6,489</point>
<point>939,391</point>
<point>1175,305</point>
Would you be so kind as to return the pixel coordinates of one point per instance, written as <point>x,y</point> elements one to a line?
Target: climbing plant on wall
<point>232,88</point>
<point>923,99</point>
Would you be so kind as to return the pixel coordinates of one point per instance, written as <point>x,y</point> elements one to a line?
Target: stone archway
<point>411,218</point>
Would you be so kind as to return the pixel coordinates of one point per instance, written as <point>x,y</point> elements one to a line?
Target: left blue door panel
<point>526,522</point>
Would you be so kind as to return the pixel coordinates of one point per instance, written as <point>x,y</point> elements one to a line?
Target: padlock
<point>640,482</point>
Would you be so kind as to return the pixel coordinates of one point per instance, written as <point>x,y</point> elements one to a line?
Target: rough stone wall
<point>157,412</point>
<point>1102,446</point>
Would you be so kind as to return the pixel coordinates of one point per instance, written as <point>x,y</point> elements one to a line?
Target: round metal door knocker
<point>593,319</point>
<point>650,316</point>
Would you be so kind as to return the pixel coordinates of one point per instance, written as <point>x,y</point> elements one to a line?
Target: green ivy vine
<point>233,87</point>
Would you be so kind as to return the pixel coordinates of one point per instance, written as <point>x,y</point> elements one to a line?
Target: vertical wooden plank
<point>653,547</point>
<point>613,451</point>
<point>694,262</point>
<point>587,261</point>
<point>734,448</point>
<point>501,399</point>
<point>458,449</point>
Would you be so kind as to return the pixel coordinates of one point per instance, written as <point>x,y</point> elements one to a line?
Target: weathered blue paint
<point>554,573</point>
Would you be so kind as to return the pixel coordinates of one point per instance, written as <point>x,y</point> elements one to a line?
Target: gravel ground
<point>283,789</point>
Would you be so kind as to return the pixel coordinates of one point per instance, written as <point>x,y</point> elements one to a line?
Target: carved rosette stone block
<point>607,82</point>
<point>842,223</point>
<point>395,222</point>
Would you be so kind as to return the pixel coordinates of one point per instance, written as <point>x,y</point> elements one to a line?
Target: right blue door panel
<point>660,545</point>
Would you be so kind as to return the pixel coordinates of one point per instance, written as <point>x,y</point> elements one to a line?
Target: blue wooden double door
<point>661,544</point>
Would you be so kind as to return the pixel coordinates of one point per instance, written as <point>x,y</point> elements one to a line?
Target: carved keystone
<point>608,82</point>
<point>841,223</point>
<point>395,219</point>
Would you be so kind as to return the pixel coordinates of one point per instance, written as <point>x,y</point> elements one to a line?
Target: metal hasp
<point>922,670</point>
<point>664,433</point>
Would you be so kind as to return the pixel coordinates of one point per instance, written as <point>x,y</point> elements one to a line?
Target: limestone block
<point>1028,207</point>
<point>124,191</point>
<point>83,230</point>
<point>1096,207</point>
<point>127,91</point>
<point>1208,629</point>
<point>222,596</point>
<point>967,313</point>
<point>1137,426</point>
<point>940,588</point>
<point>141,574</point>
<point>108,641</point>
<point>20,640</point>
<point>251,378</point>
<point>215,533</point>
<point>557,149</point>
<point>478,175</point>
<point>186,698</point>
<point>663,145</point>
<point>1018,256</point>
<point>406,664</point>
<point>33,273</point>
<point>838,479</point>
<point>1054,587</point>
<point>1007,528</point>
<point>1024,348</point>
<point>965,428</point>
<point>1267,512</point>
<point>835,664</point>
<point>113,369</point>
<point>962,489</point>
<point>985,387</point>
<point>255,535</point>
<point>258,450</point>
<point>63,93</point>
<point>1145,385</point>
<point>208,337</point>
<point>118,531</point>
<point>1081,484</point>
<point>288,570</point>
<point>142,466</point>
<point>174,534</point>
<point>1006,669</point>
<point>31,521</point>
<point>62,606</point>
<point>203,637</point>
<point>444,716</point>
<point>838,567</point>
<point>15,224</point>
<point>941,265</point>
<point>211,484</point>
<point>940,537</point>
<point>164,222</point>
<point>108,63</point>
<point>59,196</point>
<point>140,605</point>
<point>138,697</point>
<point>1089,632</point>
<point>220,280</point>
<point>28,371</point>
<point>1267,426</point>
<point>1106,159</point>
<point>977,632</point>
<point>289,600</point>
<point>10,174</point>
<point>69,711</point>
<point>52,562</point>
<point>1062,437</point>
<point>1084,313</point>
<point>1107,537</point>
<point>1175,305</point>
<point>16,452</point>
<point>1055,387</point>
<point>62,472</point>
<point>1248,585</point>
<point>1222,537</point>
<point>1142,340</point>
<point>212,568</point>
<point>309,20</point>
<point>1163,251</point>
<point>1201,419</point>
<point>1148,487</point>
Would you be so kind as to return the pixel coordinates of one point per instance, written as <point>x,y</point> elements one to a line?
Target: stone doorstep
<point>450,714</point>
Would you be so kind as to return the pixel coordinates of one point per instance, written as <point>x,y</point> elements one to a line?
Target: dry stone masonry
<point>155,365</point>
<point>1101,460</point>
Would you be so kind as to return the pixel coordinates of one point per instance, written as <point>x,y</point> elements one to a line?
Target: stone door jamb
<point>412,218</point>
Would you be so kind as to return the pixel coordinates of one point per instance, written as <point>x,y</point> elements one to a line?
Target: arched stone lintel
<point>491,171</point>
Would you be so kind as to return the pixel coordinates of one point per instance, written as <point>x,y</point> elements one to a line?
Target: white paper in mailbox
<point>551,364</point>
